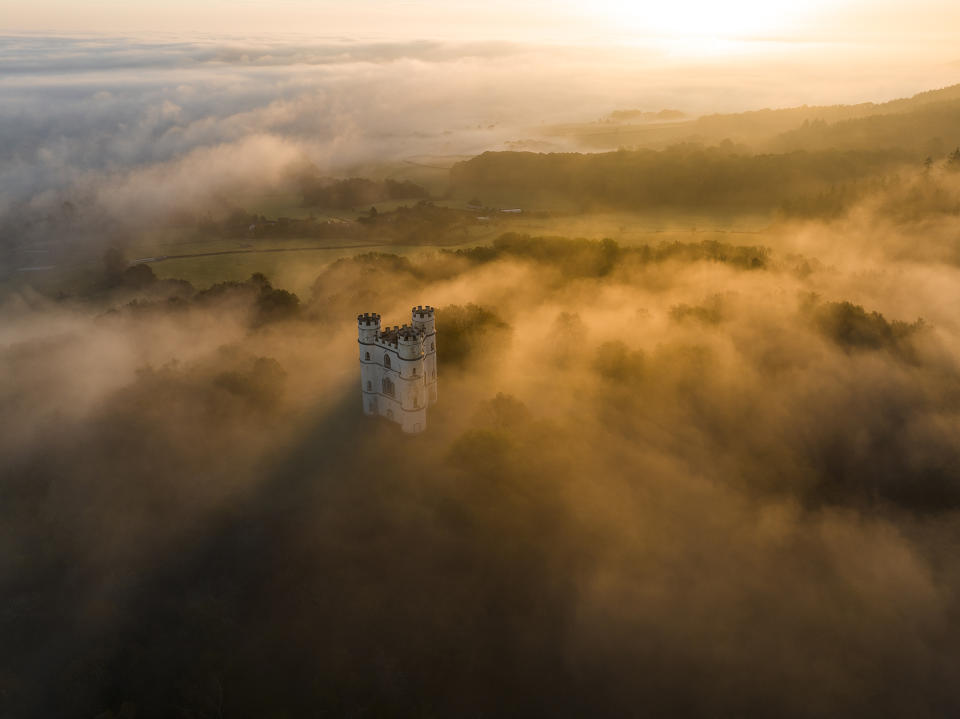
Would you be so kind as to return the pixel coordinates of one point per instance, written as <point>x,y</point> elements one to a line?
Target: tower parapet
<point>369,327</point>
<point>410,343</point>
<point>423,318</point>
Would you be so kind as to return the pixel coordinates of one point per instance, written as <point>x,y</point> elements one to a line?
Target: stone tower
<point>423,320</point>
<point>398,368</point>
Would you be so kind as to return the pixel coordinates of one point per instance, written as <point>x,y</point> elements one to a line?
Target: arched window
<point>431,346</point>
<point>366,356</point>
<point>414,371</point>
<point>387,387</point>
<point>416,402</point>
<point>386,361</point>
<point>369,386</point>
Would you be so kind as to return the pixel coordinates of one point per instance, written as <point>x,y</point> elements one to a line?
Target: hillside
<point>688,176</point>
<point>760,129</point>
<point>933,129</point>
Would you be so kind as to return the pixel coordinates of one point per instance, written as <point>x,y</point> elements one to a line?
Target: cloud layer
<point>677,481</point>
<point>82,117</point>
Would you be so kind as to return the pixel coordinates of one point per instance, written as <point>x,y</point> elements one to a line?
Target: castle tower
<point>370,375</point>
<point>395,376</point>
<point>424,320</point>
<point>411,381</point>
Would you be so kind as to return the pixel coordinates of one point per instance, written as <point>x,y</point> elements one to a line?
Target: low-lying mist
<point>684,478</point>
<point>109,138</point>
<point>672,471</point>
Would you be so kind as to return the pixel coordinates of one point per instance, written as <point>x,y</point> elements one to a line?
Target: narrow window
<point>431,346</point>
<point>433,374</point>
<point>414,371</point>
<point>416,402</point>
<point>386,361</point>
<point>369,386</point>
<point>366,356</point>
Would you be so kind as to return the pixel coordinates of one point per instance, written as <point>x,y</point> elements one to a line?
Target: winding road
<point>161,258</point>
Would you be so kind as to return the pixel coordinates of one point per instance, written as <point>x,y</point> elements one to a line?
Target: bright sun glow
<point>708,18</point>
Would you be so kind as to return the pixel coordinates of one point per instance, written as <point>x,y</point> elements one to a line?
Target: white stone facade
<point>398,368</point>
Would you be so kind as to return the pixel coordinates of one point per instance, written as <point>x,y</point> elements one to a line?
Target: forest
<point>695,450</point>
<point>679,178</point>
<point>208,526</point>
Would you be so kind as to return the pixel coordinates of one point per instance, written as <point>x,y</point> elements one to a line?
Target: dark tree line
<point>356,192</point>
<point>683,177</point>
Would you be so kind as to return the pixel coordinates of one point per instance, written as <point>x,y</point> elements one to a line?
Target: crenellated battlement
<point>368,319</point>
<point>422,318</point>
<point>421,312</point>
<point>410,334</point>
<point>397,334</point>
<point>388,336</point>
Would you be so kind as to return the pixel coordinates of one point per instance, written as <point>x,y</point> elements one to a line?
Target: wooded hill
<point>915,122</point>
<point>687,176</point>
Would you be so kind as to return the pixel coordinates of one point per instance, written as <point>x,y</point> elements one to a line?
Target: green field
<point>294,271</point>
<point>300,259</point>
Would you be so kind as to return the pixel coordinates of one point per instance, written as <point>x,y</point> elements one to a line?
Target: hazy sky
<point>93,91</point>
<point>900,23</point>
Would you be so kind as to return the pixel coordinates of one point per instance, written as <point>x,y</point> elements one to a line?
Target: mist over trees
<point>666,475</point>
<point>800,162</point>
<point>688,477</point>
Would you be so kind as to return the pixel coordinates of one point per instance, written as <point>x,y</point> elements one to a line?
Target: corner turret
<point>423,319</point>
<point>369,327</point>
